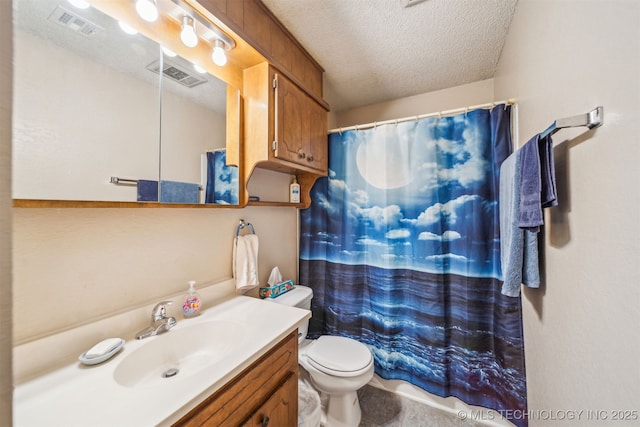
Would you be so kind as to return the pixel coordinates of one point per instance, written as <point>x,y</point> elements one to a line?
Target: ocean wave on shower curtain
<point>401,247</point>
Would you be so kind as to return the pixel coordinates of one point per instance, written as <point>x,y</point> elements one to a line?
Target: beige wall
<point>563,58</point>
<point>75,266</point>
<point>446,99</point>
<point>6,72</point>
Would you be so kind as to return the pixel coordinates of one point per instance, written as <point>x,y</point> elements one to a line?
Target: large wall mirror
<point>104,115</point>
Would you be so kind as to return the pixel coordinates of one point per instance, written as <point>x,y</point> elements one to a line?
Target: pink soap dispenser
<point>192,301</point>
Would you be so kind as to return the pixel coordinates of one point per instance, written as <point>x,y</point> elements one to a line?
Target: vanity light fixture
<point>127,28</point>
<point>80,4</point>
<point>147,10</point>
<point>188,34</point>
<point>219,56</point>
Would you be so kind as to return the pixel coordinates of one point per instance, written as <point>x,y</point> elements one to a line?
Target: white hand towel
<point>245,262</point>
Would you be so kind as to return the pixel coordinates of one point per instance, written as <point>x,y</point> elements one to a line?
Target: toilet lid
<point>339,356</point>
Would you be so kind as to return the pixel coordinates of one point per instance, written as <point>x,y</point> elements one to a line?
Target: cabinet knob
<point>310,158</point>
<point>302,155</point>
<point>265,421</point>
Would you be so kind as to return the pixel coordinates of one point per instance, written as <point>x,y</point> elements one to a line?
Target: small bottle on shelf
<point>294,191</point>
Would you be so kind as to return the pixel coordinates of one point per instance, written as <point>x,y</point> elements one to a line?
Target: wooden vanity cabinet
<point>265,393</point>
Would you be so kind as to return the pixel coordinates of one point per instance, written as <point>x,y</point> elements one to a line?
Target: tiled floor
<point>384,409</point>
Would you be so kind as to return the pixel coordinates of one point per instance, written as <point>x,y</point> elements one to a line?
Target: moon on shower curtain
<point>383,157</point>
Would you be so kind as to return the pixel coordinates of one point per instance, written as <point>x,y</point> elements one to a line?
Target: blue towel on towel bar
<point>548,197</point>
<point>530,213</point>
<point>147,190</point>
<point>179,192</point>
<point>518,247</point>
<point>538,185</point>
<point>170,191</point>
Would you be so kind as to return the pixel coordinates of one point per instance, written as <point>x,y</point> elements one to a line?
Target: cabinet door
<point>300,126</point>
<point>318,138</point>
<point>280,410</point>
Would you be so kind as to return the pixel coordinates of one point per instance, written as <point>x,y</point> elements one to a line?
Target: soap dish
<point>111,347</point>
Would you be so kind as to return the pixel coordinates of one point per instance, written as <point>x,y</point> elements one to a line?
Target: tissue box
<point>276,290</point>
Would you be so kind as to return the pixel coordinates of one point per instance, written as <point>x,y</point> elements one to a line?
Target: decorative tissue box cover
<point>276,290</point>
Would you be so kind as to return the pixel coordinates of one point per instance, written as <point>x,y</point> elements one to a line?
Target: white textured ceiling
<point>378,50</point>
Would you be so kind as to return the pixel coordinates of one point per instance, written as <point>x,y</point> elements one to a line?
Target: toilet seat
<point>339,356</point>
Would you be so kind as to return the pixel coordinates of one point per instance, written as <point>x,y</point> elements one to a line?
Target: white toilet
<point>338,366</point>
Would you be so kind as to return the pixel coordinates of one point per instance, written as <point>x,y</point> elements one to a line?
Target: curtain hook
<point>375,125</point>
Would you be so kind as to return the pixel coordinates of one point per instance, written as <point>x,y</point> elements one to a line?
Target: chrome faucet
<point>159,321</point>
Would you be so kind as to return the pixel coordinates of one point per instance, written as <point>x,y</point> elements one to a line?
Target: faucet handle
<point>160,310</point>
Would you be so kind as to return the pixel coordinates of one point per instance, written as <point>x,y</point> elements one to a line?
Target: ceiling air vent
<point>74,22</point>
<point>176,73</point>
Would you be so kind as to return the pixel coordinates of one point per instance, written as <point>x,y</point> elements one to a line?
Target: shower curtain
<point>401,247</point>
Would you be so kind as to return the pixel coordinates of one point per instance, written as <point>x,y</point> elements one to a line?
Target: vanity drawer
<point>279,409</point>
<point>274,374</point>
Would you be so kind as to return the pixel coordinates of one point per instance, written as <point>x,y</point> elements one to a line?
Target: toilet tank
<point>300,297</point>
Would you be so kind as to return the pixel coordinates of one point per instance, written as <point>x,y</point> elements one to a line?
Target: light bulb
<point>147,10</point>
<point>80,4</point>
<point>168,52</point>
<point>127,28</point>
<point>219,57</point>
<point>199,69</point>
<point>188,34</point>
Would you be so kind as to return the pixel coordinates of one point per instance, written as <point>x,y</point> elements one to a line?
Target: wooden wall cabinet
<point>300,126</point>
<point>265,393</point>
<point>284,128</point>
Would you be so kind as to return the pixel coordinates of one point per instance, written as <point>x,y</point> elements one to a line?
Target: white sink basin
<point>189,350</point>
<point>209,351</point>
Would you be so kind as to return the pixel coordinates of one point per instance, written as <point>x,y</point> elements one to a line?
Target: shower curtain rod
<point>509,101</point>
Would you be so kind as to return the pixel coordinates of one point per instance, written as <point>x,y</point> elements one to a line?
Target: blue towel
<point>222,180</point>
<point>530,213</point>
<point>518,247</point>
<point>179,192</point>
<point>548,198</point>
<point>147,191</point>
<point>538,185</point>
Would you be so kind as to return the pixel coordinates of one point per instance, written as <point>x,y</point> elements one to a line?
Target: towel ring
<point>243,225</point>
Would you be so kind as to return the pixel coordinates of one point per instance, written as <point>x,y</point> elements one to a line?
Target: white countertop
<point>79,395</point>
